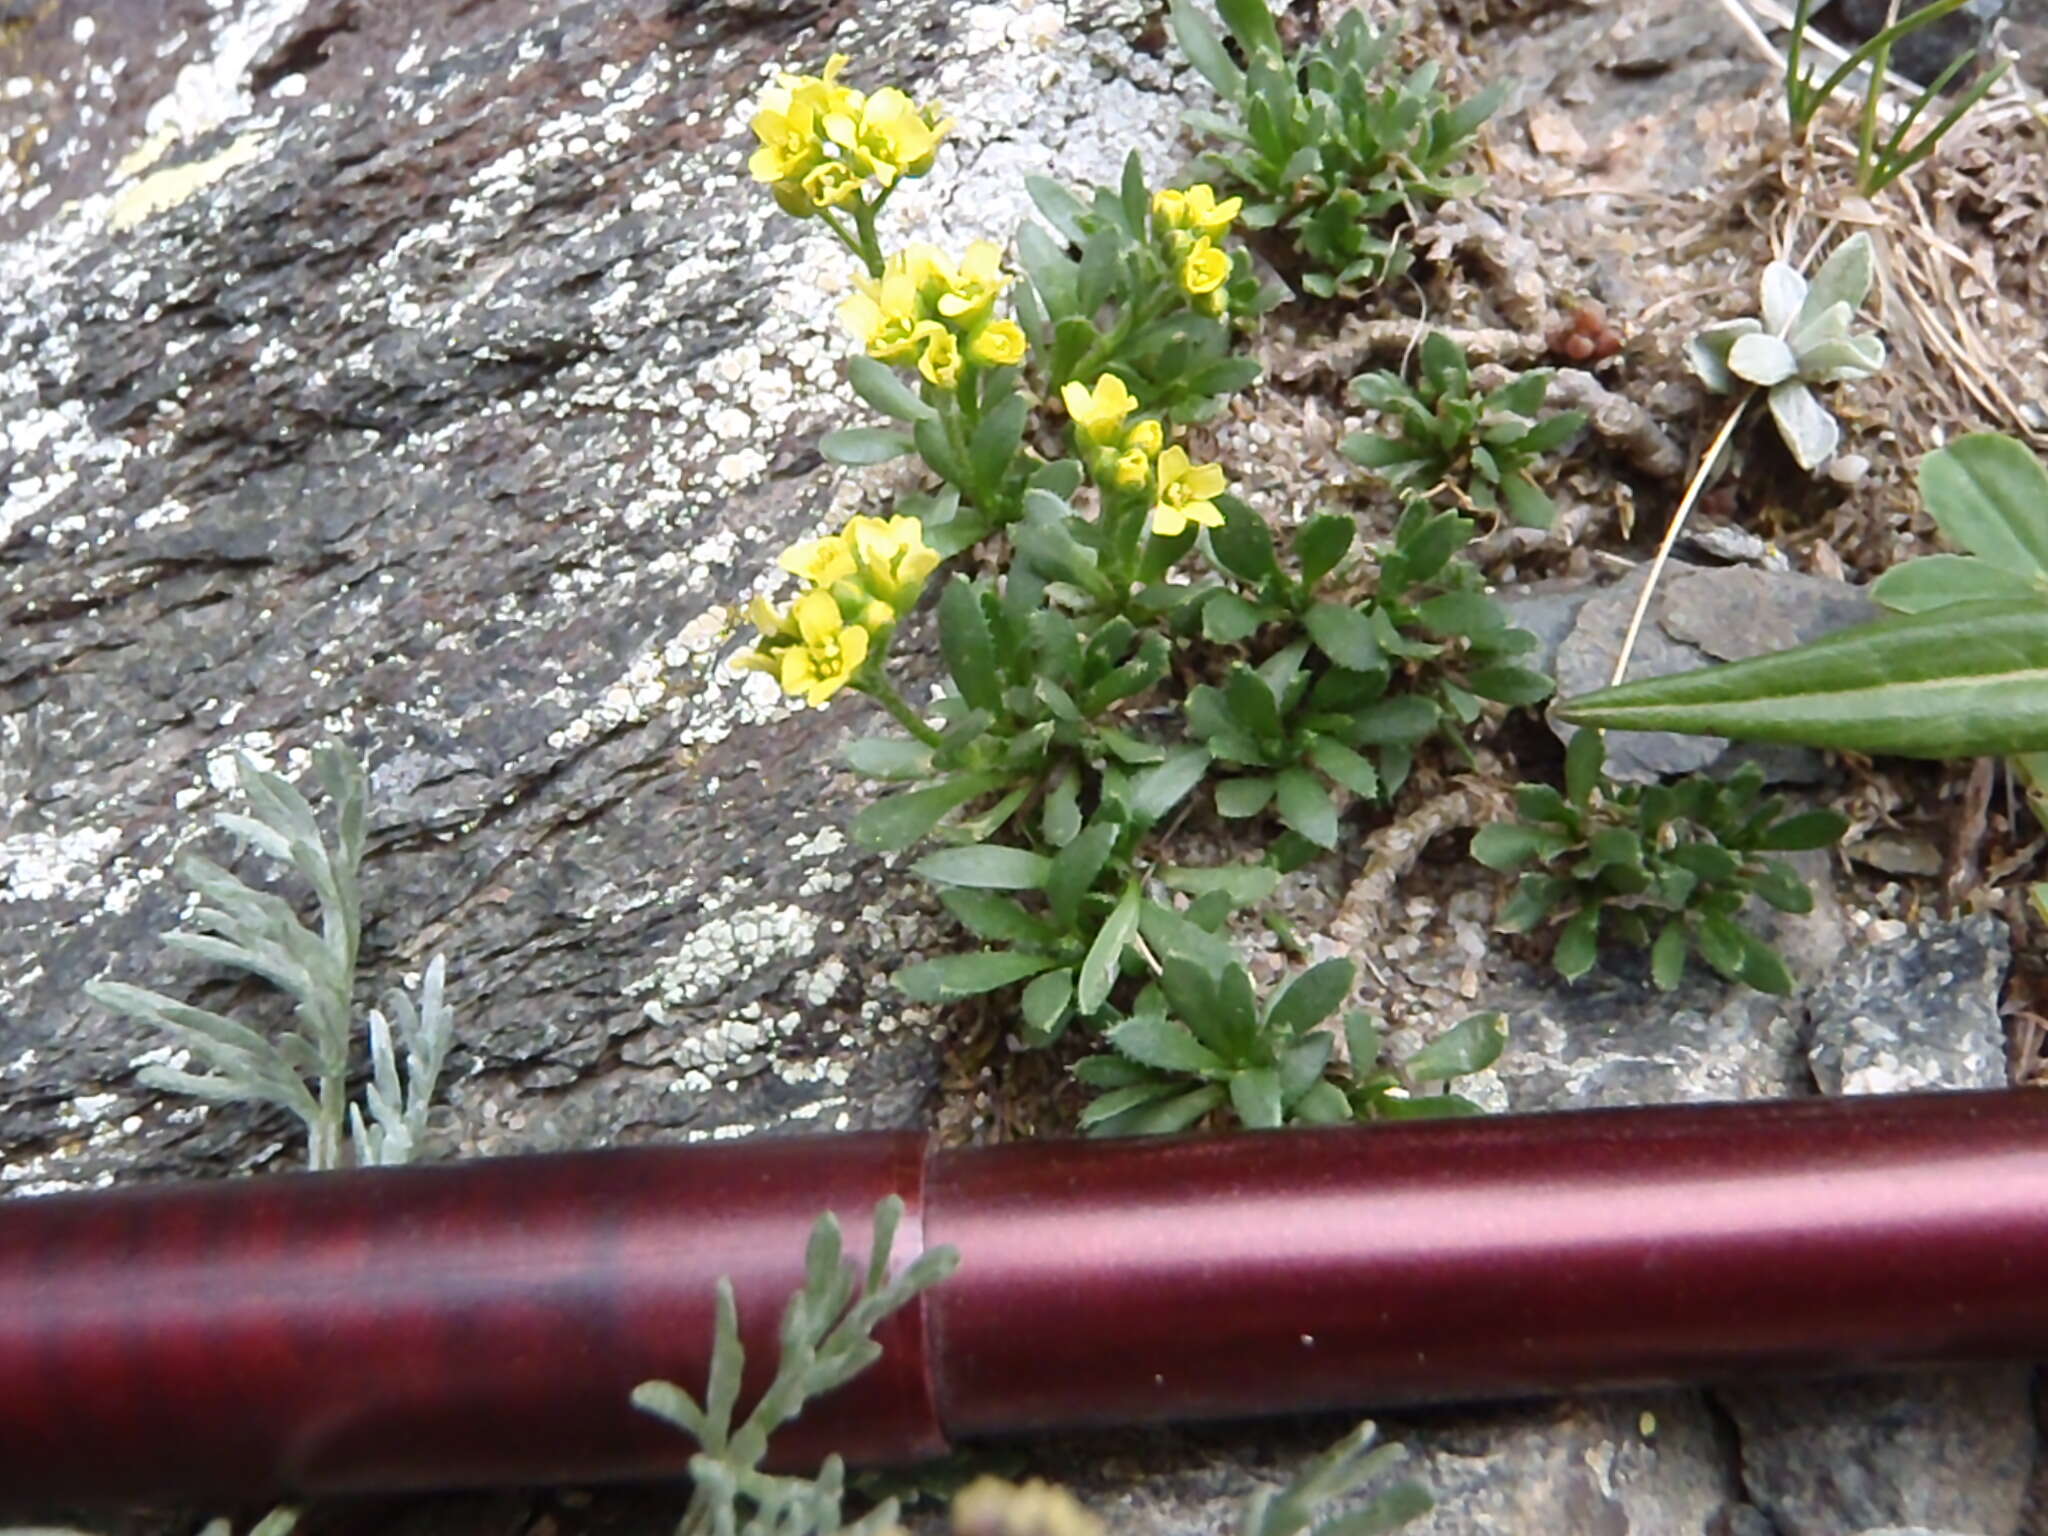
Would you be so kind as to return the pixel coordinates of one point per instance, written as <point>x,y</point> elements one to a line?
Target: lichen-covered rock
<point>1916,1013</point>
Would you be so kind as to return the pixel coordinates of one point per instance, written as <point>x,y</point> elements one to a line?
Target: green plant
<point>1135,284</point>
<point>1664,867</point>
<point>1448,435</point>
<point>1337,1474</point>
<point>305,1067</point>
<point>1330,144</point>
<point>1199,1039</point>
<point>827,1338</point>
<point>1805,339</point>
<point>1881,160</point>
<point>1421,656</point>
<point>1097,907</point>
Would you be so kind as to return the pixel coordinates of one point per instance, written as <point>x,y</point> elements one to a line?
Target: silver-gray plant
<point>1807,337</point>
<point>304,1067</point>
<point>827,1339</point>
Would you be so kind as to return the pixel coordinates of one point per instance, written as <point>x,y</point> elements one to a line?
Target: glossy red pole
<point>482,1323</point>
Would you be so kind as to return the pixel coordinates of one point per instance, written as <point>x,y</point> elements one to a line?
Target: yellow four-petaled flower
<point>1187,494</point>
<point>924,312</point>
<point>860,581</point>
<point>821,142</point>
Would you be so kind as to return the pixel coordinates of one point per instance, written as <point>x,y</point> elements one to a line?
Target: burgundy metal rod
<point>483,1323</point>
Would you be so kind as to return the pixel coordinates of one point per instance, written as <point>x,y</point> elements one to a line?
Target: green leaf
<point>1505,683</point>
<point>1578,945</point>
<point>1205,50</point>
<point>1667,955</point>
<point>888,757</point>
<point>1158,789</point>
<point>1507,846</point>
<point>1163,1043</point>
<point>1137,202</point>
<point>893,824</point>
<point>1251,23</point>
<point>1059,208</point>
<point>1989,496</point>
<point>1255,1095</point>
<point>1810,829</point>
<point>996,919</point>
<point>1046,1002</point>
<point>1237,799</point>
<point>1061,819</point>
<point>1584,762</point>
<point>1244,884</point>
<point>988,867</point>
<point>1324,540</point>
<point>878,385</point>
<point>969,648</point>
<point>1526,504</point>
<point>1935,581</point>
<point>1763,967</point>
<point>1345,766</point>
<point>1471,1045</point>
<point>1151,1113</point>
<point>1344,634</point>
<point>1076,868</point>
<point>953,977</point>
<point>1244,544</point>
<point>993,449</point>
<point>1361,1042</point>
<point>1228,618</point>
<point>865,445</point>
<point>1970,680</point>
<point>1779,884</point>
<point>1310,997</point>
<point>1305,806</point>
<point>1105,956</point>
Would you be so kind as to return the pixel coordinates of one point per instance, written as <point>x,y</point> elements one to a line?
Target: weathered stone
<point>1918,1013</point>
<point>1947,1449</point>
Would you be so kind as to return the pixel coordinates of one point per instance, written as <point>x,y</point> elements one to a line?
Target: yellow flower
<point>1146,436</point>
<point>790,122</point>
<point>1099,413</point>
<point>1205,268</point>
<point>971,293</point>
<point>831,651</point>
<point>1187,493</point>
<point>830,184</point>
<point>887,135</point>
<point>887,313</point>
<point>1133,468</point>
<point>818,561</point>
<point>999,344</point>
<point>939,361</point>
<point>893,558</point>
<point>1196,209</point>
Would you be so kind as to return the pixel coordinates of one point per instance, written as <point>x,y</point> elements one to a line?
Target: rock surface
<point>432,378</point>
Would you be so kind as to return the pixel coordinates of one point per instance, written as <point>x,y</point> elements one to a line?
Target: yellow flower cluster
<point>860,582</point>
<point>1131,455</point>
<point>1194,220</point>
<point>923,311</point>
<point>823,142</point>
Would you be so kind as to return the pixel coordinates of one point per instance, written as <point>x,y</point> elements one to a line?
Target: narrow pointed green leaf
<point>1105,955</point>
<point>952,977</point>
<point>1968,680</point>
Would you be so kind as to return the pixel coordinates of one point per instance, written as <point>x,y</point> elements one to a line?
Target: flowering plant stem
<point>876,685</point>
